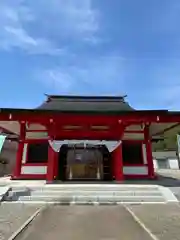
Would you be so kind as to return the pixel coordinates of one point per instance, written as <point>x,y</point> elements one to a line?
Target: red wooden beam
<point>88,135</point>
<point>36,140</point>
<point>76,118</point>
<point>67,118</point>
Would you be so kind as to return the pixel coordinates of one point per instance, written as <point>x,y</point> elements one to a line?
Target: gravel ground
<point>12,216</point>
<point>84,223</point>
<point>162,220</point>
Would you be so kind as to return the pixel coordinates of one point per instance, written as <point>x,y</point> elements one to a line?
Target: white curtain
<point>111,145</point>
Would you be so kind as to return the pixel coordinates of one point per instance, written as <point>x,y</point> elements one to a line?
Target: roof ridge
<point>86,97</point>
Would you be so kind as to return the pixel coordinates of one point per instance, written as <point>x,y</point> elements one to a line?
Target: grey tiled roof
<point>86,104</point>
<point>164,154</point>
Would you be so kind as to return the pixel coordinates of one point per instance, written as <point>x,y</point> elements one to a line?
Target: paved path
<point>85,222</point>
<point>162,220</point>
<point>129,222</point>
<point>12,216</point>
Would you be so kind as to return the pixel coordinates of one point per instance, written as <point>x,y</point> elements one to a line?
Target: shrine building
<point>85,138</point>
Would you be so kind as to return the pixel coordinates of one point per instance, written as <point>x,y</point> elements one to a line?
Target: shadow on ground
<point>165,181</point>
<point>161,179</point>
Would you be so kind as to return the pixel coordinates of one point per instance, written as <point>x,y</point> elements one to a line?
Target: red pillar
<point>147,139</point>
<point>51,164</point>
<point>117,156</point>
<point>56,164</point>
<point>118,163</point>
<point>51,156</point>
<point>17,170</point>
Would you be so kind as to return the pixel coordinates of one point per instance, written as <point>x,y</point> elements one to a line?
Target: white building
<point>166,160</point>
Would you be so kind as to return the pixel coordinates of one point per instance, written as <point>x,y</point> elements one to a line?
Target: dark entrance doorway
<point>107,163</point>
<point>132,153</point>
<point>62,162</point>
<point>83,164</point>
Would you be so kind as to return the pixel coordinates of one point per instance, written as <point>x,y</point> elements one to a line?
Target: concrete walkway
<point>128,222</point>
<point>82,222</point>
<point>13,216</point>
<point>3,191</point>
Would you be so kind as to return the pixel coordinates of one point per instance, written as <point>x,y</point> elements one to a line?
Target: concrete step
<point>92,193</point>
<point>93,199</point>
<point>87,187</point>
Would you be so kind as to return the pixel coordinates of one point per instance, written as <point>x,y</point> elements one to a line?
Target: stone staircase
<point>90,194</point>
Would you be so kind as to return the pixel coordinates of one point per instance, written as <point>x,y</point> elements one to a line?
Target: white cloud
<point>68,17</point>
<point>39,26</point>
<point>57,79</point>
<point>103,76</point>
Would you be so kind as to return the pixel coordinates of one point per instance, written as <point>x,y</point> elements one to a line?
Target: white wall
<point>155,163</point>
<point>34,170</point>
<point>135,170</point>
<point>173,164</point>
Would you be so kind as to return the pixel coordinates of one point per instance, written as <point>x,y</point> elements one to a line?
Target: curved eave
<point>98,112</point>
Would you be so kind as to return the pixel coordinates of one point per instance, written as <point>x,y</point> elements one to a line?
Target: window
<point>37,153</point>
<point>132,153</point>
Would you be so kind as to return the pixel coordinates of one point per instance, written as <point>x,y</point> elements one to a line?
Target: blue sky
<point>90,47</point>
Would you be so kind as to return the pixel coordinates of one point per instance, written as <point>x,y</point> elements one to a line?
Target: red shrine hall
<point>85,138</point>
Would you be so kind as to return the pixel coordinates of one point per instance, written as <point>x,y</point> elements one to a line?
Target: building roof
<point>86,104</point>
<point>164,154</point>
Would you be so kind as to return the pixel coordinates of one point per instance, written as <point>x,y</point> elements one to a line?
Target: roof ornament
<point>48,97</point>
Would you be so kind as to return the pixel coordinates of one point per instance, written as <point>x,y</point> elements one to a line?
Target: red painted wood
<point>88,135</point>
<point>51,162</point>
<point>44,117</point>
<point>149,152</point>
<point>35,140</point>
<point>56,156</point>
<point>34,164</point>
<point>17,170</point>
<point>51,155</point>
<point>118,163</point>
<point>30,177</point>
